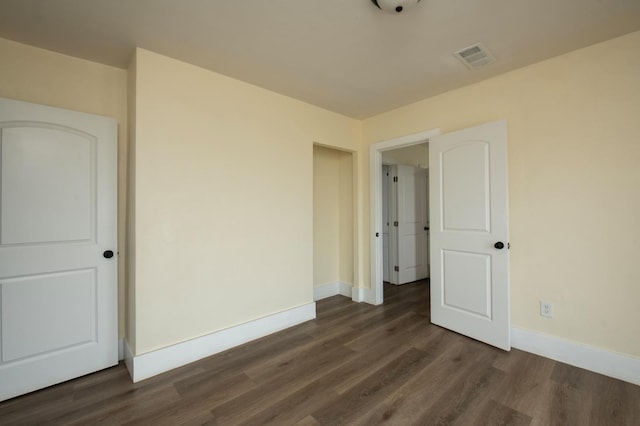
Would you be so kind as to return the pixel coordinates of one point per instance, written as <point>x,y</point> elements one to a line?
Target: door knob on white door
<point>499,245</point>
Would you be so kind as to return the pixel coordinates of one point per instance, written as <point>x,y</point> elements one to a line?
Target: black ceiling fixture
<point>394,6</point>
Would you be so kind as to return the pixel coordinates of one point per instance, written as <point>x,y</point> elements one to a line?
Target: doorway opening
<point>334,248</point>
<point>469,241</point>
<point>402,145</point>
<point>405,214</point>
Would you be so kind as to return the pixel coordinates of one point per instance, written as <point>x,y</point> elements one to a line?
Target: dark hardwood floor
<point>355,364</point>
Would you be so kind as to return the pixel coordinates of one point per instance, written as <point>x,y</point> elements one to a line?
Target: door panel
<point>48,177</point>
<point>47,313</point>
<point>468,276</point>
<point>58,294</point>
<point>468,199</point>
<point>412,221</point>
<point>465,169</point>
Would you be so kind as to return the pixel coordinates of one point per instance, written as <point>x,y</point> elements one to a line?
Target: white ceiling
<point>343,55</point>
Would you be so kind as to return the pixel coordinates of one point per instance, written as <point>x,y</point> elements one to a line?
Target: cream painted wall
<point>333,217</point>
<point>224,191</point>
<point>414,155</point>
<point>36,75</point>
<point>574,185</point>
<point>204,193</point>
<point>346,219</point>
<point>326,219</point>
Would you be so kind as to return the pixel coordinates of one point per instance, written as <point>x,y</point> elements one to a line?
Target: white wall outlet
<point>546,309</point>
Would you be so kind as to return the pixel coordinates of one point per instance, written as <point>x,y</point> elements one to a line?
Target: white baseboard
<point>359,294</point>
<point>152,363</point>
<point>577,354</point>
<point>128,357</point>
<point>324,290</point>
<point>331,289</point>
<point>356,294</point>
<point>344,289</point>
<point>120,349</point>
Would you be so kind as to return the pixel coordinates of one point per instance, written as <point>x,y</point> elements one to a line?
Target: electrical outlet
<point>546,309</point>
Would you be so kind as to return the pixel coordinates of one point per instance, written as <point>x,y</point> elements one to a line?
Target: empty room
<point>327,212</point>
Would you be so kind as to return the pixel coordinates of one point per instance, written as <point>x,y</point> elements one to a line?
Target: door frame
<point>375,208</point>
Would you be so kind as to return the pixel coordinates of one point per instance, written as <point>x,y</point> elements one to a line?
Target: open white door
<point>412,223</point>
<point>469,233</point>
<point>58,245</point>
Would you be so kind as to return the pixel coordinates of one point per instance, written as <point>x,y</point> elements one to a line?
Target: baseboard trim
<point>331,289</point>
<point>153,363</point>
<point>120,349</point>
<point>590,358</point>
<point>345,289</point>
<point>128,357</point>
<point>359,294</point>
<point>324,290</point>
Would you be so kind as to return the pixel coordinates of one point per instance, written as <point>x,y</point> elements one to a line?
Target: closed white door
<point>469,233</point>
<point>412,223</point>
<point>386,260</point>
<point>58,243</point>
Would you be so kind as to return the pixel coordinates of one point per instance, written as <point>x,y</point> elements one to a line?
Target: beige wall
<point>43,77</point>
<point>326,205</point>
<point>574,185</point>
<point>224,200</point>
<point>346,219</point>
<point>333,236</point>
<point>414,155</point>
<point>208,194</point>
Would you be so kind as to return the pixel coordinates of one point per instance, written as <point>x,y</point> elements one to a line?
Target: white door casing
<point>412,223</point>
<point>58,216</point>
<point>375,169</point>
<point>469,215</point>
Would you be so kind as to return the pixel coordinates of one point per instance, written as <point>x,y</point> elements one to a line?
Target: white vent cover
<point>475,56</point>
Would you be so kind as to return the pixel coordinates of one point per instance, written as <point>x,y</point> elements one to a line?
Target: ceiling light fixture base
<point>394,6</point>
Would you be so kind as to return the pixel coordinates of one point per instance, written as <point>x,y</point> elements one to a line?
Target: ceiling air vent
<point>475,56</point>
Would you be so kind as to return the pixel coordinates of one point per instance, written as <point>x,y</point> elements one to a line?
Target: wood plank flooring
<point>356,364</point>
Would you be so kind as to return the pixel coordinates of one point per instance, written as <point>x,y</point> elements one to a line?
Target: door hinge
<point>395,178</point>
<point>395,223</point>
<point>395,268</point>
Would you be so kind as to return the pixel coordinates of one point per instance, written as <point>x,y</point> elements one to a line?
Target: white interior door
<point>386,260</point>
<point>469,224</point>
<point>58,284</point>
<point>412,223</point>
